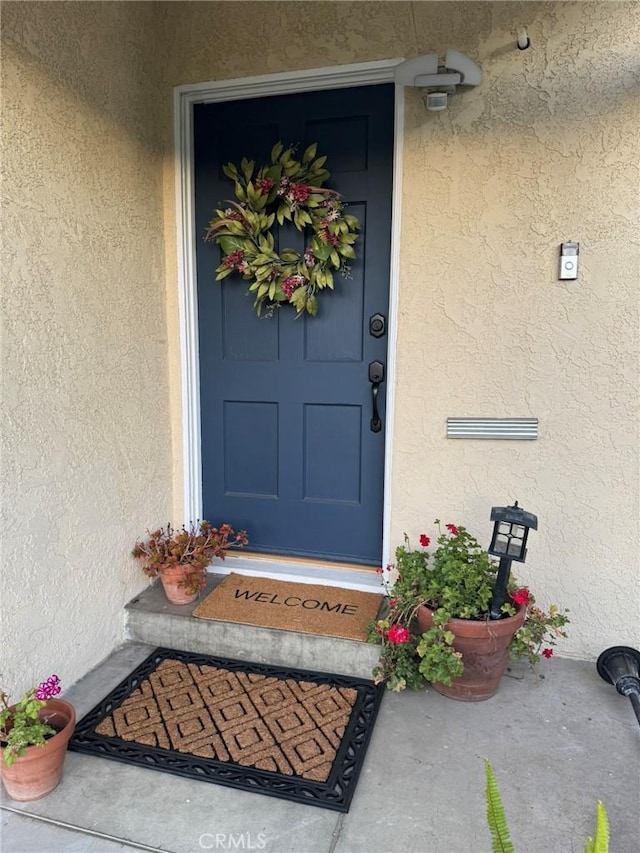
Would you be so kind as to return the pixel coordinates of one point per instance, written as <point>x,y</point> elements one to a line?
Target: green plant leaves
<point>24,727</point>
<point>286,190</point>
<point>439,661</point>
<point>310,153</point>
<point>600,843</point>
<point>496,818</point>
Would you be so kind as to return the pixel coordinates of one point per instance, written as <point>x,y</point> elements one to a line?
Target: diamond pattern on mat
<point>246,742</point>
<point>279,725</point>
<point>198,736</point>
<point>267,693</point>
<point>227,713</point>
<point>170,675</point>
<point>287,722</point>
<point>303,689</point>
<point>138,718</point>
<point>326,706</point>
<point>189,729</point>
<point>214,683</point>
<point>311,755</point>
<point>334,732</point>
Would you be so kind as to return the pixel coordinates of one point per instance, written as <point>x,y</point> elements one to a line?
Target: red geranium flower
<point>424,540</point>
<point>452,529</point>
<point>398,635</point>
<point>547,653</point>
<point>521,596</point>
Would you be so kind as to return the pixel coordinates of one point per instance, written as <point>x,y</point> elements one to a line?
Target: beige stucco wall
<point>85,423</point>
<point>546,150</point>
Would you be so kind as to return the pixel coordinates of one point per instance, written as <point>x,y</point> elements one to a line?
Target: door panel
<point>287,448</point>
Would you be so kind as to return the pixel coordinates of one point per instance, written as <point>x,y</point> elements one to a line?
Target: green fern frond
<point>599,844</point>
<point>496,818</point>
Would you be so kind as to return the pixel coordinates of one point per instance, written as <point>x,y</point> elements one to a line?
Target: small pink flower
<point>547,653</point>
<point>290,284</point>
<point>47,689</point>
<point>398,635</point>
<point>424,540</point>
<point>265,185</point>
<point>300,192</point>
<point>452,529</point>
<point>379,570</point>
<point>234,259</point>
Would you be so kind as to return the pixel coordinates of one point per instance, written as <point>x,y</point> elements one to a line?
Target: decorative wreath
<point>288,189</point>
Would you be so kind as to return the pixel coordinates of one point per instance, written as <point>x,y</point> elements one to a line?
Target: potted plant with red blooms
<point>34,734</point>
<point>180,556</point>
<point>438,626</point>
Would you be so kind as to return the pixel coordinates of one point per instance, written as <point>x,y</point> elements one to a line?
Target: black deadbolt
<point>377,325</point>
<point>376,372</point>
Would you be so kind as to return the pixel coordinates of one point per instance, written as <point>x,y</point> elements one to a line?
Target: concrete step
<point>151,619</point>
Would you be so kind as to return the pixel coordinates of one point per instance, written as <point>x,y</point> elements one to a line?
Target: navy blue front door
<point>287,446</point>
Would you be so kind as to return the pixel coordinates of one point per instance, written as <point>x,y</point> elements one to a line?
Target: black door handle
<point>376,376</point>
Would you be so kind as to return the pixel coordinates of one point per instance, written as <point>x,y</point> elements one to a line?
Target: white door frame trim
<point>361,74</point>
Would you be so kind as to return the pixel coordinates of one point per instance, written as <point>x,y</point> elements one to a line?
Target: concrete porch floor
<point>557,745</point>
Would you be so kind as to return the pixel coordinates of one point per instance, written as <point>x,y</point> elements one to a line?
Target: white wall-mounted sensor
<point>435,101</point>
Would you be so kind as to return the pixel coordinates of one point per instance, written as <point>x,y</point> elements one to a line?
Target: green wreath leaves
<point>286,190</point>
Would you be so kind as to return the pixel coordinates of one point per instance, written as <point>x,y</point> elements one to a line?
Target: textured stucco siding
<point>545,150</point>
<point>85,422</point>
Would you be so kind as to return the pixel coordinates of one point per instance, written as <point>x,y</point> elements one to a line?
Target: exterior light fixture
<point>437,80</point>
<point>508,542</point>
<point>620,666</point>
<point>510,531</point>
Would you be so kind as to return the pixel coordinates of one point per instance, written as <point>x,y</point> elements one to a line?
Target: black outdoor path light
<point>620,666</point>
<point>509,540</point>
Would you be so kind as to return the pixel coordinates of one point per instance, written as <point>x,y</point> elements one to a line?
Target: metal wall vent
<point>525,429</point>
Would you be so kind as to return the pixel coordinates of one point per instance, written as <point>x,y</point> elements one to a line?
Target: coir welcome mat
<point>309,608</point>
<point>287,733</point>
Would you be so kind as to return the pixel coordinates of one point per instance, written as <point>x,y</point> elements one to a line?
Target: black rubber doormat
<point>288,733</point>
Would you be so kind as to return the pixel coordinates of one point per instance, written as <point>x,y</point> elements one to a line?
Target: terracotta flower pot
<point>36,773</point>
<point>172,579</point>
<point>484,646</point>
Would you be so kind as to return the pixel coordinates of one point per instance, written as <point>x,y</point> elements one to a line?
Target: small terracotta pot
<point>36,773</point>
<point>172,579</point>
<point>484,645</point>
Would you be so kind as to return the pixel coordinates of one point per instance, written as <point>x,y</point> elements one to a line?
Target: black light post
<point>510,530</point>
<point>620,666</point>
